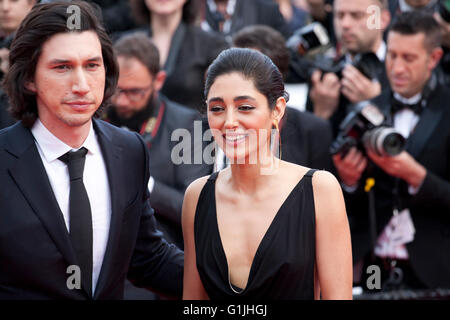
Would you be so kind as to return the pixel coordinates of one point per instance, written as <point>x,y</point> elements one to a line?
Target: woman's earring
<point>276,140</point>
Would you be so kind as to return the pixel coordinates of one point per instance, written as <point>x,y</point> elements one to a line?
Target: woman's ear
<point>279,109</point>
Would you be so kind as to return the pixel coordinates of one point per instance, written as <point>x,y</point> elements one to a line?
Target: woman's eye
<point>246,108</point>
<point>215,109</point>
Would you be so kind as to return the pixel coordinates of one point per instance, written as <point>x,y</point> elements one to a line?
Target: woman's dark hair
<point>254,66</point>
<point>142,14</point>
<point>44,21</point>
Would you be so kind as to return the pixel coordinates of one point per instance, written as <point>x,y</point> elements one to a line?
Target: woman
<point>186,50</point>
<point>264,229</point>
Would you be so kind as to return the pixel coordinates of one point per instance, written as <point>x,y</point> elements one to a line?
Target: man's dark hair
<point>138,45</point>
<point>267,40</point>
<point>142,13</point>
<point>43,22</point>
<point>414,22</point>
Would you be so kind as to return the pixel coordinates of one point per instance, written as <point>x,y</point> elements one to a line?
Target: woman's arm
<point>192,285</point>
<point>333,244</point>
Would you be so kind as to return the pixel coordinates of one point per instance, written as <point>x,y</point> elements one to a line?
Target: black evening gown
<point>283,266</point>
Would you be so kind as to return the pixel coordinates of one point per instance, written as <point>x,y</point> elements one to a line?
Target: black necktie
<point>80,215</point>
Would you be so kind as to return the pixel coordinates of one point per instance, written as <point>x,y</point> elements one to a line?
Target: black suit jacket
<point>306,139</point>
<point>171,179</point>
<point>429,144</point>
<point>35,248</point>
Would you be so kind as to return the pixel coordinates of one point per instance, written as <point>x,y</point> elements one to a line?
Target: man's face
<point>408,63</point>
<point>69,81</point>
<point>12,12</point>
<point>354,25</point>
<point>134,88</point>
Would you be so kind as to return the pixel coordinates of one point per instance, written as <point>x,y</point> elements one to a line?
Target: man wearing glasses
<point>138,106</point>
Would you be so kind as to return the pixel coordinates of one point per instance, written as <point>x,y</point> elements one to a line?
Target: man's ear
<point>385,19</point>
<point>30,86</point>
<point>435,56</point>
<point>279,109</point>
<point>159,80</point>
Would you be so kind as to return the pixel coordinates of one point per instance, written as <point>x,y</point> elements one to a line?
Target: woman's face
<point>165,7</point>
<point>239,117</point>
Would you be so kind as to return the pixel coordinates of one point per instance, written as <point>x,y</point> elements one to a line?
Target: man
<point>11,15</point>
<point>359,26</point>
<point>441,13</point>
<point>139,106</point>
<point>412,189</point>
<point>305,138</point>
<point>74,223</point>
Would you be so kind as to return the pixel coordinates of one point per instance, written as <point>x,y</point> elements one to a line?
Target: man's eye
<point>93,65</point>
<point>62,67</point>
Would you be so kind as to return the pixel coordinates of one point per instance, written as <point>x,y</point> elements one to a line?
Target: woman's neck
<point>248,178</point>
<point>165,24</point>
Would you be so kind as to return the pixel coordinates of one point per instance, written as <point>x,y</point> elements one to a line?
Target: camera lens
<point>393,143</point>
<point>384,141</point>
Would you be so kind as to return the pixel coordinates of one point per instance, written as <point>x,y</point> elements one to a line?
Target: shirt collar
<point>52,148</point>
<point>380,53</point>
<point>413,100</point>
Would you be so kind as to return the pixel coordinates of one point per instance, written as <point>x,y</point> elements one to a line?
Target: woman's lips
<point>234,139</point>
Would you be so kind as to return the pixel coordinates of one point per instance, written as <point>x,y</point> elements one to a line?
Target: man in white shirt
<point>412,189</point>
<point>73,199</point>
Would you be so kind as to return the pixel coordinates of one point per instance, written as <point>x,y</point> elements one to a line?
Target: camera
<point>365,128</point>
<point>308,38</point>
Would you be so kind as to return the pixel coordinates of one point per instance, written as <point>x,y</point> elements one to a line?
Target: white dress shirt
<point>95,180</point>
<point>400,229</point>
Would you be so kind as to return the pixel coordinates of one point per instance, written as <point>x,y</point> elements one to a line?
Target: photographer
<point>441,12</point>
<point>411,190</point>
<point>358,30</point>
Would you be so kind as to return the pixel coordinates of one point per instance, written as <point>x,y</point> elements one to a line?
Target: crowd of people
<point>156,143</point>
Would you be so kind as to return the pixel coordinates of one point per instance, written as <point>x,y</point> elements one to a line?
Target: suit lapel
<point>111,155</point>
<point>429,119</point>
<point>31,178</point>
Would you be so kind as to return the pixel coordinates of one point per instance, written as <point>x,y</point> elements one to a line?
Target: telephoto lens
<point>384,141</point>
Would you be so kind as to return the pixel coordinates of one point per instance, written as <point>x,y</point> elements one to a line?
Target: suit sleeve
<point>434,190</point>
<point>155,264</point>
<point>167,200</point>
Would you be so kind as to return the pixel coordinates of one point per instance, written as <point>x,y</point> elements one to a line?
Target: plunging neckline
<point>257,253</point>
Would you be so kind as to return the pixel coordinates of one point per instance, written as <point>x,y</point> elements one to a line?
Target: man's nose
<point>120,99</point>
<point>5,5</point>
<point>80,83</point>
<point>398,66</point>
<point>346,21</point>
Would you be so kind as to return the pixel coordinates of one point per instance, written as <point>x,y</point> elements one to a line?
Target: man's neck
<point>73,136</point>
